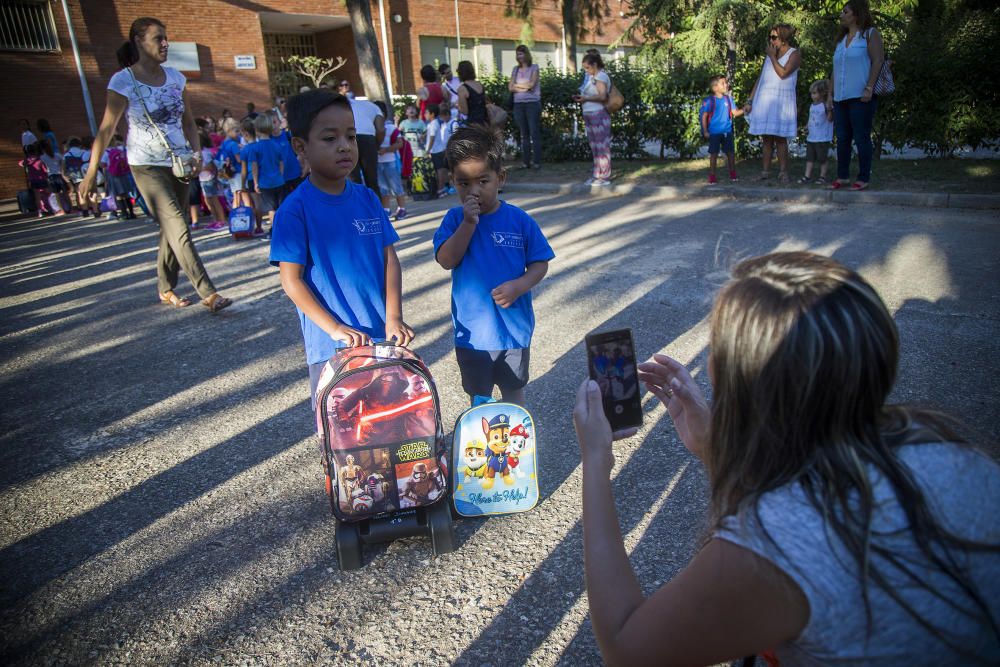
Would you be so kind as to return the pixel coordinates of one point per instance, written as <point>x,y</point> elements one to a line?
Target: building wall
<point>46,85</point>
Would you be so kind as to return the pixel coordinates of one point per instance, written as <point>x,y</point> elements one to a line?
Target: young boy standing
<point>496,253</point>
<point>439,131</point>
<point>265,161</point>
<point>717,113</point>
<point>332,242</point>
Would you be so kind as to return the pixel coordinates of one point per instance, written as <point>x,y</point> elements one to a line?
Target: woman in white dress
<point>772,107</point>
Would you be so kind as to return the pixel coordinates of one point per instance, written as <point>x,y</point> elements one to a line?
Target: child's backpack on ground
<point>117,162</point>
<point>494,461</point>
<point>424,181</point>
<point>383,446</point>
<point>241,222</point>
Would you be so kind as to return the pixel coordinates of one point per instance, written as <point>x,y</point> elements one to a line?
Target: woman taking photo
<point>593,94</point>
<point>843,530</point>
<point>160,125</point>
<point>857,62</point>
<point>772,106</point>
<point>524,83</point>
<point>471,96</point>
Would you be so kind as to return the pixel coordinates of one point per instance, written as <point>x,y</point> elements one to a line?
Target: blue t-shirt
<point>341,241</point>
<point>267,154</point>
<point>230,150</point>
<point>245,154</point>
<point>720,122</point>
<point>289,160</point>
<point>502,246</point>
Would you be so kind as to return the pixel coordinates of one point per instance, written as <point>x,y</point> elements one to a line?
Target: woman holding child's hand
<point>829,507</point>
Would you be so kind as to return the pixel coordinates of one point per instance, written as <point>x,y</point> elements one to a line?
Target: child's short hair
<point>475,142</point>
<point>73,142</point>
<point>444,110</point>
<point>263,124</point>
<point>717,77</point>
<point>247,127</point>
<point>230,124</point>
<point>433,110</point>
<point>822,87</point>
<point>303,108</point>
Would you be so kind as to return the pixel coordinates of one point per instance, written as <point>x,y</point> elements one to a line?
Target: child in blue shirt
<point>249,133</point>
<point>290,167</point>
<point>265,161</point>
<point>333,243</point>
<point>496,253</point>
<point>717,113</point>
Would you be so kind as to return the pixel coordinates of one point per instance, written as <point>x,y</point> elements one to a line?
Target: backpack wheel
<point>348,546</point>
<point>442,533</point>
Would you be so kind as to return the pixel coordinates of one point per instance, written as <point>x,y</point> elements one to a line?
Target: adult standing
<point>431,92</point>
<point>524,83</point>
<point>158,114</point>
<point>450,83</point>
<point>772,106</point>
<point>471,96</point>
<point>593,94</point>
<point>369,125</point>
<point>857,62</point>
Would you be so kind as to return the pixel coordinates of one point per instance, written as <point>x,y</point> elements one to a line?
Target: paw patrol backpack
<point>494,466</point>
<point>379,424</point>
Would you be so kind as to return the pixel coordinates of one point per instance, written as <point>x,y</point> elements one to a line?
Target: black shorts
<point>270,198</point>
<point>439,161</point>
<point>482,369</point>
<point>725,141</point>
<point>194,193</point>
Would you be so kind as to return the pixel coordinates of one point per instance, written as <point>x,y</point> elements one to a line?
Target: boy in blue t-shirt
<point>265,161</point>
<point>333,243</point>
<point>717,113</point>
<point>496,253</point>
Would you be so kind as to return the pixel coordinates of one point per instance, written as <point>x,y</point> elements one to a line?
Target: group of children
<point>429,136</point>
<point>333,244</point>
<point>716,119</point>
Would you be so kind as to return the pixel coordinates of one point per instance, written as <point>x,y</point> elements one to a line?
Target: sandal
<point>216,302</point>
<point>857,186</point>
<point>805,179</point>
<point>172,299</point>
<point>836,185</point>
<point>820,181</point>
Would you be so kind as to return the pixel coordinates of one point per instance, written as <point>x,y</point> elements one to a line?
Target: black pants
<point>367,166</point>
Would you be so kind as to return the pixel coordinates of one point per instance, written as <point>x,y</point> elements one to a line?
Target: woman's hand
<point>771,51</point>
<point>592,428</point>
<point>578,98</point>
<point>866,94</point>
<point>670,382</point>
<point>86,188</point>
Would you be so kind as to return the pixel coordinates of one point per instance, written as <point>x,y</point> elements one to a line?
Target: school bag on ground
<point>424,179</point>
<point>384,455</point>
<point>241,222</point>
<point>26,202</point>
<point>494,462</point>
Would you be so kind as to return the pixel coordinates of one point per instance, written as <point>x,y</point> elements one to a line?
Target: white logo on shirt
<point>507,240</point>
<point>368,227</point>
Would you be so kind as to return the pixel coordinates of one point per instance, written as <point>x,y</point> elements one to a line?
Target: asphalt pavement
<point>161,495</point>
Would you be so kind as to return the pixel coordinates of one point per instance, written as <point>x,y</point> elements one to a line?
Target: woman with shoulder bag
<point>525,87</point>
<point>857,62</point>
<point>161,130</point>
<point>593,96</point>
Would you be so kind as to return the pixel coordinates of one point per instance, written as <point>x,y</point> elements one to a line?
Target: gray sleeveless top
<point>962,488</point>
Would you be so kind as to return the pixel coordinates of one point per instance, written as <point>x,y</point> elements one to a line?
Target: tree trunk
<point>366,47</point>
<point>570,25</point>
<point>731,50</point>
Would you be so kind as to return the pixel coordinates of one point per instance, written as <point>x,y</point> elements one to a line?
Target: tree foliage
<point>316,70</point>
<point>579,18</point>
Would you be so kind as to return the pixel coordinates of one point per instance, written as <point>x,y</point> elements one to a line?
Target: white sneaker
<point>589,181</point>
<point>600,181</point>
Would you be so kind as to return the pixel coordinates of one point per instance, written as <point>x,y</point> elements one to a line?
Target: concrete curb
<point>924,199</point>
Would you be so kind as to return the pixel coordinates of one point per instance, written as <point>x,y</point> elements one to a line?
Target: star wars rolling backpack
<point>494,462</point>
<point>384,454</point>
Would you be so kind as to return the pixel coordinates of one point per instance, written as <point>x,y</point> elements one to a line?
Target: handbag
<point>615,99</point>
<point>884,83</point>
<point>497,116</point>
<point>180,161</point>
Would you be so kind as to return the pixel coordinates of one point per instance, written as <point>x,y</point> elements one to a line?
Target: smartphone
<point>611,363</point>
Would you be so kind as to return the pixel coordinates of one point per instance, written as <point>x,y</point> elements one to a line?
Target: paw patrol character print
<point>516,448</point>
<point>497,432</point>
<point>474,460</point>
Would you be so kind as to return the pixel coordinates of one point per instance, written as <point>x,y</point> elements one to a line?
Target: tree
<point>366,47</point>
<point>576,15</point>
<point>313,68</point>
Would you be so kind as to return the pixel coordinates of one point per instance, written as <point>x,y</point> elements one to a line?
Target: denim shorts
<point>211,188</point>
<point>389,182</point>
<point>725,141</point>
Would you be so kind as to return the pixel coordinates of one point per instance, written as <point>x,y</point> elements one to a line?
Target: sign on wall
<point>245,62</point>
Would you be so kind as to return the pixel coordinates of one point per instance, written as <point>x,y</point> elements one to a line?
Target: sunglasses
<point>774,38</point>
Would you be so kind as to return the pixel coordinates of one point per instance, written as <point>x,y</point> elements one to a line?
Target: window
<point>284,80</point>
<point>27,26</point>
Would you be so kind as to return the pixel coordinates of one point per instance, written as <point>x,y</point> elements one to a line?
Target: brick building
<point>231,51</point>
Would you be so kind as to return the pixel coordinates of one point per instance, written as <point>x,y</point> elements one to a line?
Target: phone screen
<point>611,363</point>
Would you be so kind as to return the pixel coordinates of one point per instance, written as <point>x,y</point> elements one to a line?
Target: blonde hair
<point>822,87</point>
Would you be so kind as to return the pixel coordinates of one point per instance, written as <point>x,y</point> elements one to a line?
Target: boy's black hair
<point>717,77</point>
<point>428,74</point>
<point>73,142</point>
<point>247,127</point>
<point>33,150</point>
<point>303,108</point>
<point>433,109</point>
<point>475,142</point>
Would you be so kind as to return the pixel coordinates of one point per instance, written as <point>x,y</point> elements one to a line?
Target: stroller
<point>384,453</point>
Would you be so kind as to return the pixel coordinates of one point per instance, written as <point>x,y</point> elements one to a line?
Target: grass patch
<point>925,175</point>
